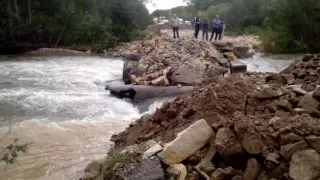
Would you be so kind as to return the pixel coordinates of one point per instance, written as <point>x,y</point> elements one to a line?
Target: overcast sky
<point>164,4</point>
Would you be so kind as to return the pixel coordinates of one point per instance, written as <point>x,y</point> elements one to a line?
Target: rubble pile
<point>165,61</point>
<point>246,126</point>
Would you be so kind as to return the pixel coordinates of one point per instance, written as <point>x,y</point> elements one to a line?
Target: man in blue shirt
<point>216,27</point>
<point>197,23</point>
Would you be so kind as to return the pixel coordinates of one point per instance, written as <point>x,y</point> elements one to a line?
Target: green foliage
<point>72,22</point>
<point>9,153</point>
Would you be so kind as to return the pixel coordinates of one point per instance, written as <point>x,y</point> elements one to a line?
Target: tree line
<point>97,23</point>
<point>283,25</point>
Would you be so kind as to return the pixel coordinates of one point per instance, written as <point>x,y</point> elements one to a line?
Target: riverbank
<point>246,126</point>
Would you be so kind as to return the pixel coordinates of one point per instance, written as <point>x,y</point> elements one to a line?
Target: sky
<point>164,4</point>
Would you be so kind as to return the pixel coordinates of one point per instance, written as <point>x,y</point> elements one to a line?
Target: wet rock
<point>253,170</point>
<point>289,139</point>
<point>152,151</point>
<point>130,68</point>
<point>252,144</point>
<point>188,142</point>
<point>148,169</point>
<point>279,171</point>
<point>305,165</point>
<point>222,174</point>
<point>288,150</point>
<point>230,56</point>
<point>179,171</point>
<point>267,93</point>
<point>314,141</point>
<point>92,170</point>
<point>316,93</point>
<point>237,67</point>
<point>308,103</point>
<point>227,145</point>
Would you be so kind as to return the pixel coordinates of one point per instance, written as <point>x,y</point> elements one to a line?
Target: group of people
<point>217,30</point>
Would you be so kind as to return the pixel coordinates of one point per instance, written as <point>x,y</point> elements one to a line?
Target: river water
<point>60,105</point>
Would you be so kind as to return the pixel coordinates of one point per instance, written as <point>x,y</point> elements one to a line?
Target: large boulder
<point>187,74</point>
<point>305,165</point>
<point>188,142</point>
<point>243,51</point>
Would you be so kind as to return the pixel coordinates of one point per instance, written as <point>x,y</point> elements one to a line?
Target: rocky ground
<point>163,60</point>
<point>245,126</point>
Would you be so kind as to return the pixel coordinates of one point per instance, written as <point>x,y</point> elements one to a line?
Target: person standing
<point>216,26</point>
<point>205,29</point>
<point>197,23</point>
<point>175,26</point>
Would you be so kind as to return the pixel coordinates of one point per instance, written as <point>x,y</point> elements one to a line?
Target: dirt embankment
<point>246,126</point>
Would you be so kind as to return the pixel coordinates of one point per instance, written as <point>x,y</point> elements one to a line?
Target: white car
<point>187,22</point>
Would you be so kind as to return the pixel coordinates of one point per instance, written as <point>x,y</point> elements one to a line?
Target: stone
<point>300,110</point>
<point>188,142</point>
<point>285,105</point>
<point>289,139</point>
<point>130,68</point>
<point>294,101</point>
<point>288,150</point>
<point>222,174</point>
<point>314,113</point>
<point>237,67</point>
<point>253,170</point>
<point>148,169</point>
<point>289,78</point>
<point>267,93</point>
<point>276,78</point>
<point>314,141</point>
<point>278,122</point>
<point>187,74</point>
<point>308,103</point>
<point>179,171</point>
<point>252,144</point>
<point>273,157</point>
<point>305,165</point>
<point>243,51</point>
<point>227,145</point>
<point>298,90</point>
<point>279,171</point>
<point>316,93</point>
<point>160,81</point>
<point>152,151</point>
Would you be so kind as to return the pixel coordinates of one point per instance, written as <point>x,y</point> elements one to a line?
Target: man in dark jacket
<point>205,29</point>
<point>197,23</point>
